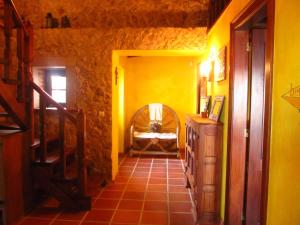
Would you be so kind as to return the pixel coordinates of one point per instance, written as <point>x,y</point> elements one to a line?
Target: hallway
<point>147,191</point>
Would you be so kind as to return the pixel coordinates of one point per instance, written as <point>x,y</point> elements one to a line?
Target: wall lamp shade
<point>205,69</point>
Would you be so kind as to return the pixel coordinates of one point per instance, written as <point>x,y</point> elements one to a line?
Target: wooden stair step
<point>53,157</point>
<point>9,126</point>
<point>51,142</point>
<point>4,114</point>
<point>8,132</point>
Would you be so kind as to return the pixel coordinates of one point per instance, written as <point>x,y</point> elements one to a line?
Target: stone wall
<point>118,13</point>
<point>88,54</point>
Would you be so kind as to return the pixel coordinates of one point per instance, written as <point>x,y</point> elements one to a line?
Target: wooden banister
<point>16,16</point>
<point>50,100</point>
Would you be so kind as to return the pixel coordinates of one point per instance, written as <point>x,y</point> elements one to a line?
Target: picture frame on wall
<point>220,65</point>
<point>216,108</point>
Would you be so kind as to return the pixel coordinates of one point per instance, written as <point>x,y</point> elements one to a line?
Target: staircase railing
<point>13,24</point>
<point>78,121</point>
<point>15,27</point>
<point>12,20</point>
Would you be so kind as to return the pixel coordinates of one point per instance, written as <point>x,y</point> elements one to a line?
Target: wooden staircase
<point>56,169</point>
<point>59,170</point>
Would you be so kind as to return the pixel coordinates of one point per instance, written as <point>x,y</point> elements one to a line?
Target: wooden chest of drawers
<point>203,154</point>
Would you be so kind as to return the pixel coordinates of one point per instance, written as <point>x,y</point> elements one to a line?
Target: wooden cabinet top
<point>198,119</point>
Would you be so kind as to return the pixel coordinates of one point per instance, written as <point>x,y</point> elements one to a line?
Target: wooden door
<point>252,38</point>
<point>256,127</point>
<point>247,125</point>
<point>238,121</point>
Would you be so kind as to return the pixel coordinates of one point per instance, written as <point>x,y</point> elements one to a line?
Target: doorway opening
<point>249,115</point>
<point>142,77</point>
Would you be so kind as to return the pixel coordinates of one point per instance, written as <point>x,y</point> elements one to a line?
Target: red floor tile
<point>177,189</point>
<point>123,216</point>
<point>176,175</point>
<point>157,181</point>
<point>157,187</point>
<point>94,223</point>
<point>159,165</point>
<point>64,222</point>
<point>105,203</point>
<point>35,221</point>
<point>45,212</point>
<point>138,180</point>
<point>139,195</point>
<point>69,215</point>
<point>158,175</point>
<point>124,172</point>
<point>159,169</point>
<point>173,170</point>
<point>156,196</point>
<point>159,160</point>
<point>99,215</point>
<point>126,168</point>
<point>181,218</point>
<point>131,205</point>
<point>134,195</point>
<point>174,161</point>
<point>175,166</point>
<point>111,194</point>
<point>180,207</point>
<point>179,197</point>
<point>115,187</point>
<point>142,169</point>
<point>155,206</point>
<point>176,181</point>
<point>136,187</point>
<point>129,164</point>
<point>121,179</point>
<point>140,174</point>
<point>145,160</point>
<point>155,218</point>
<point>146,165</point>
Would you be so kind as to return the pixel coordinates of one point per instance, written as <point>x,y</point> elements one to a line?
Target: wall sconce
<point>205,69</point>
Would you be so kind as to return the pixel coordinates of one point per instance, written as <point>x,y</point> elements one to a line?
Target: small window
<point>58,91</point>
<point>56,84</point>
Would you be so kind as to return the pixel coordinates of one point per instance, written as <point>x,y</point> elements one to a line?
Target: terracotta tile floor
<point>147,191</point>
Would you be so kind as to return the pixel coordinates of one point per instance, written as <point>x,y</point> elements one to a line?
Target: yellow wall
<point>284,182</point>
<point>168,80</point>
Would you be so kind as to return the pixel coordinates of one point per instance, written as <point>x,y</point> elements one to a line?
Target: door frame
<point>245,15</point>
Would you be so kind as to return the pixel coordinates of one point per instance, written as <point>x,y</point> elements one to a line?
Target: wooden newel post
<point>82,172</point>
<point>43,138</point>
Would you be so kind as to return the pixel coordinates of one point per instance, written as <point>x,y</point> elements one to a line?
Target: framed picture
<point>220,65</point>
<point>216,108</point>
<point>204,103</point>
